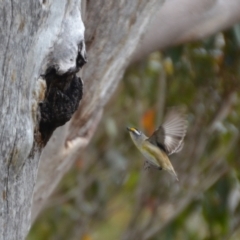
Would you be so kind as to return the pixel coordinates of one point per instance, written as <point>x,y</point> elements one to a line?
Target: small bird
<point>166,140</point>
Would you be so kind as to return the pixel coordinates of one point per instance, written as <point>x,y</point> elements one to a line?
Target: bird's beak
<point>130,129</point>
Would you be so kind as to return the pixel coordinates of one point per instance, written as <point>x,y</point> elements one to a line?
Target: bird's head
<point>136,135</point>
<point>134,131</point>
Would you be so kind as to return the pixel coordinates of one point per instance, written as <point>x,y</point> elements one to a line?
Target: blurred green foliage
<point>108,196</point>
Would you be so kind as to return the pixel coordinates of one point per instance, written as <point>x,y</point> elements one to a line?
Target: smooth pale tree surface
<point>186,20</point>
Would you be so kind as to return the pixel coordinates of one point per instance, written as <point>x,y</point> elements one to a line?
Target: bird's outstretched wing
<point>169,136</point>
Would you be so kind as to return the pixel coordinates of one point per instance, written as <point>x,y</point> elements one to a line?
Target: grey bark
<point>29,35</point>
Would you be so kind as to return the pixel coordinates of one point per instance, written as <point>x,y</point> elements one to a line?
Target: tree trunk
<point>185,21</point>
<point>35,36</point>
<point>42,44</point>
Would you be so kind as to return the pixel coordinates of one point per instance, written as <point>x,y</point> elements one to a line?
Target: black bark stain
<point>62,98</point>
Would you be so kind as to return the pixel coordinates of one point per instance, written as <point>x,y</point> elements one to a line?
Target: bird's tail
<point>173,173</point>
